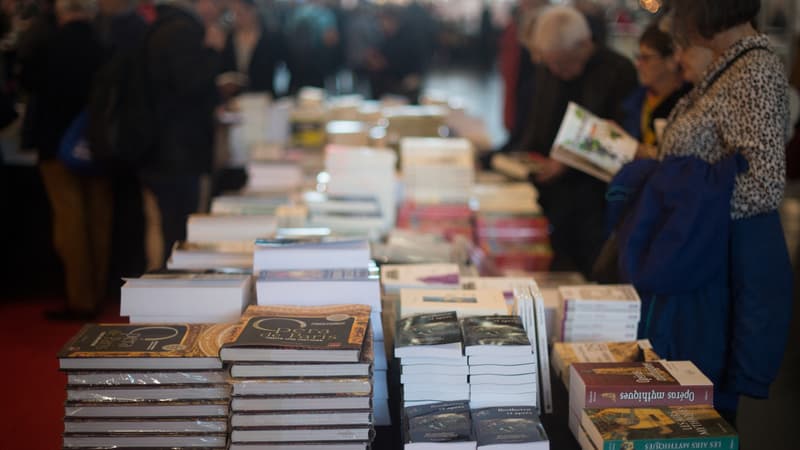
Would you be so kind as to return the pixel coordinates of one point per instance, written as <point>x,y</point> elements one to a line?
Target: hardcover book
<point>146,347</point>
<point>303,434</point>
<point>302,402</point>
<point>513,427</point>
<point>138,378</point>
<point>447,422</point>
<point>299,446</point>
<point>658,427</point>
<point>302,386</point>
<point>204,441</point>
<point>290,334</point>
<point>635,384</point>
<point>140,426</point>
<point>495,335</point>
<point>300,418</point>
<point>428,335</point>
<point>147,409</point>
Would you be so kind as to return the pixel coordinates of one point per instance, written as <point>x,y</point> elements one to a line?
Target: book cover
<point>606,385</point>
<point>577,296</point>
<point>494,330</point>
<point>98,341</point>
<point>340,327</point>
<point>507,425</point>
<point>593,145</point>
<point>439,422</point>
<point>658,427</point>
<point>428,329</point>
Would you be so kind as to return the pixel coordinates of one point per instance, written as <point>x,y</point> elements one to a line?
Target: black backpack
<point>121,128</point>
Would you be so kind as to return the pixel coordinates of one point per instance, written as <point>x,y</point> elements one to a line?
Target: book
<point>205,441</point>
<point>141,426</point>
<point>148,393</point>
<point>147,409</point>
<point>310,253</point>
<point>456,361</point>
<point>439,393</point>
<point>518,369</point>
<point>478,302</point>
<point>495,335</point>
<point>431,378</point>
<point>636,384</point>
<point>139,378</point>
<point>435,369</point>
<point>428,276</point>
<point>299,446</point>
<point>208,228</point>
<point>210,255</point>
<point>505,284</point>
<point>428,335</point>
<point>592,145</point>
<point>319,287</point>
<point>439,425</point>
<point>479,400</point>
<point>658,427</point>
<point>301,386</point>
<point>303,434</point>
<point>542,349</point>
<point>618,298</point>
<point>525,388</point>
<point>299,334</point>
<point>480,360</point>
<point>526,378</point>
<point>509,428</point>
<point>300,418</point>
<point>567,353</point>
<point>176,293</point>
<point>310,370</point>
<point>302,402</point>
<point>146,347</point>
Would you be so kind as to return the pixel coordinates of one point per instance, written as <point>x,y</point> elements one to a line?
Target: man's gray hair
<point>559,28</point>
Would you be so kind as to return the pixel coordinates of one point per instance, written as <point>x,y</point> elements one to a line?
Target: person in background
<point>183,61</point>
<point>81,204</point>
<point>661,85</point>
<point>312,38</point>
<point>251,49</point>
<point>733,326</point>
<point>397,64</point>
<point>571,67</point>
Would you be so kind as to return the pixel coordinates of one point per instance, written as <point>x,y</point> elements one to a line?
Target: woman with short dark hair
<point>733,327</point>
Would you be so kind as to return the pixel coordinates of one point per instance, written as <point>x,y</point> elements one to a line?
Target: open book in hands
<point>592,145</point>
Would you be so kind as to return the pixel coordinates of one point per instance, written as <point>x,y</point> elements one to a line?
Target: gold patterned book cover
<point>148,341</point>
<point>300,333</point>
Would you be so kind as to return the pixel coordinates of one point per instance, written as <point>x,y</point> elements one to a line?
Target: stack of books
<point>409,247</point>
<point>247,205</point>
<point>346,215</point>
<point>567,353</point>
<point>502,362</point>
<point>359,171</point>
<point>136,386</point>
<point>275,176</point>
<point>301,375</point>
<point>510,228</point>
<point>599,313</point>
<point>413,120</point>
<point>635,385</point>
<point>322,273</point>
<point>175,297</point>
<point>210,228</point>
<point>442,425</point>
<point>434,368</point>
<point>211,255</point>
<point>436,170</point>
<point>449,220</point>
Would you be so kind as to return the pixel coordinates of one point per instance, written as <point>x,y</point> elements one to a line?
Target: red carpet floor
<point>33,397</point>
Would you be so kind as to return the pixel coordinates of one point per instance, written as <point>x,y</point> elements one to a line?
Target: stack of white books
<point>139,386</point>
<point>211,255</point>
<point>275,176</point>
<point>466,303</point>
<point>599,313</point>
<point>434,368</point>
<point>347,132</point>
<point>188,297</point>
<point>502,362</point>
<point>301,375</point>
<point>395,277</point>
<point>221,228</point>
<point>324,272</point>
<point>437,170</point>
<point>364,171</point>
<point>345,214</point>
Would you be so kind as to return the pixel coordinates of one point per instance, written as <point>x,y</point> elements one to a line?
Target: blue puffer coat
<point>714,291</point>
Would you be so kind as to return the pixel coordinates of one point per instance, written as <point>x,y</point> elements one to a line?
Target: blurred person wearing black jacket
<point>571,68</point>
<point>80,203</point>
<point>397,64</point>
<point>182,63</point>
